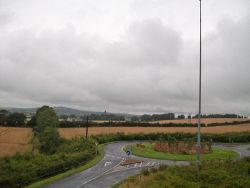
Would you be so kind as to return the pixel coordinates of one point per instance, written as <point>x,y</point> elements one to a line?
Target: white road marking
<point>107,163</point>
<point>135,165</point>
<point>141,164</point>
<point>147,164</point>
<point>152,163</point>
<point>85,182</point>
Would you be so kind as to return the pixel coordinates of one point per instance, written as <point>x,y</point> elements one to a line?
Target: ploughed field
<point>73,132</point>
<point>14,140</point>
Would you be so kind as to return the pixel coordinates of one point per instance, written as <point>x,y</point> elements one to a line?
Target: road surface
<point>109,171</point>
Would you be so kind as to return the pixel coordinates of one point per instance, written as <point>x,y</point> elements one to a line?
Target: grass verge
<point>52,179</point>
<point>227,173</point>
<point>149,152</point>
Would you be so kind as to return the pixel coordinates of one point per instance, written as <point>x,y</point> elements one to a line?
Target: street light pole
<point>87,128</point>
<point>199,115</point>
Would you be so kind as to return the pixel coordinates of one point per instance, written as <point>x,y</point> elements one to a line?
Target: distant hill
<point>22,110</point>
<point>68,111</point>
<point>62,111</point>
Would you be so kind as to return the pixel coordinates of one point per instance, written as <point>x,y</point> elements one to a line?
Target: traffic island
<point>129,161</point>
<point>149,151</point>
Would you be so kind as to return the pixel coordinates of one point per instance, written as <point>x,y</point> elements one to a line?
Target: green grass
<point>52,179</point>
<point>221,174</point>
<point>149,152</point>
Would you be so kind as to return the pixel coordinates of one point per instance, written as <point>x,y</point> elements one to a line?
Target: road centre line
<point>99,175</point>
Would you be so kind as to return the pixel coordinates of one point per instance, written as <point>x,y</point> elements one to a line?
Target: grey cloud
<point>5,18</point>
<point>227,65</point>
<point>150,69</point>
<point>147,43</point>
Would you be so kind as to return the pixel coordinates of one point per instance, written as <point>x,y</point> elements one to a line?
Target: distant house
<point>74,119</point>
<point>28,117</point>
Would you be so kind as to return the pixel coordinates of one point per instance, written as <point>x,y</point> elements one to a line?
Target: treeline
<point>206,137</point>
<point>229,123</point>
<point>172,116</point>
<point>12,119</point>
<point>78,124</point>
<point>66,124</point>
<point>104,117</point>
<point>158,117</point>
<point>125,124</point>
<point>219,116</point>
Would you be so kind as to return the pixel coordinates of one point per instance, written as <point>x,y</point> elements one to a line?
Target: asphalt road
<point>109,171</point>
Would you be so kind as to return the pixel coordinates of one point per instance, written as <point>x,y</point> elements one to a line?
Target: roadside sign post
<point>129,151</point>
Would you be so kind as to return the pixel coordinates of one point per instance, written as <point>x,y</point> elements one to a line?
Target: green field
<point>149,152</point>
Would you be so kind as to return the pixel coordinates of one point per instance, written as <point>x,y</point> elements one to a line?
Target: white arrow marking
<point>107,163</point>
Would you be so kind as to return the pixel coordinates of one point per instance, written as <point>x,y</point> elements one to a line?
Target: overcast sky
<point>135,56</point>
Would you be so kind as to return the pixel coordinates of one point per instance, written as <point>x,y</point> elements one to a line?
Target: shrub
<point>163,167</point>
<point>145,172</point>
<point>153,170</point>
<point>37,166</point>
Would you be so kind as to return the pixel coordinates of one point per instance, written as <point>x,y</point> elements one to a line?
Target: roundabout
<point>113,167</point>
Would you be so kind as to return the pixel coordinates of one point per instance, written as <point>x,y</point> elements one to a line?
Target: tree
<point>32,122</point>
<point>4,112</point>
<point>72,116</point>
<point>46,117</point>
<point>3,116</point>
<point>63,117</point>
<point>181,116</point>
<point>45,128</point>
<point>49,140</point>
<point>16,119</point>
<point>134,118</point>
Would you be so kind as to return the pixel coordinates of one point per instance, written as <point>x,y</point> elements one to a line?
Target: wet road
<point>109,171</point>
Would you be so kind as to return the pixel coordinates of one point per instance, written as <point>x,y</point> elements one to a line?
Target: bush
<point>49,140</point>
<point>145,172</point>
<point>227,174</point>
<point>153,170</point>
<point>163,167</point>
<point>38,166</point>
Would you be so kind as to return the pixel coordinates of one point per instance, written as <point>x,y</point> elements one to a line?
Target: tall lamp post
<point>199,114</point>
